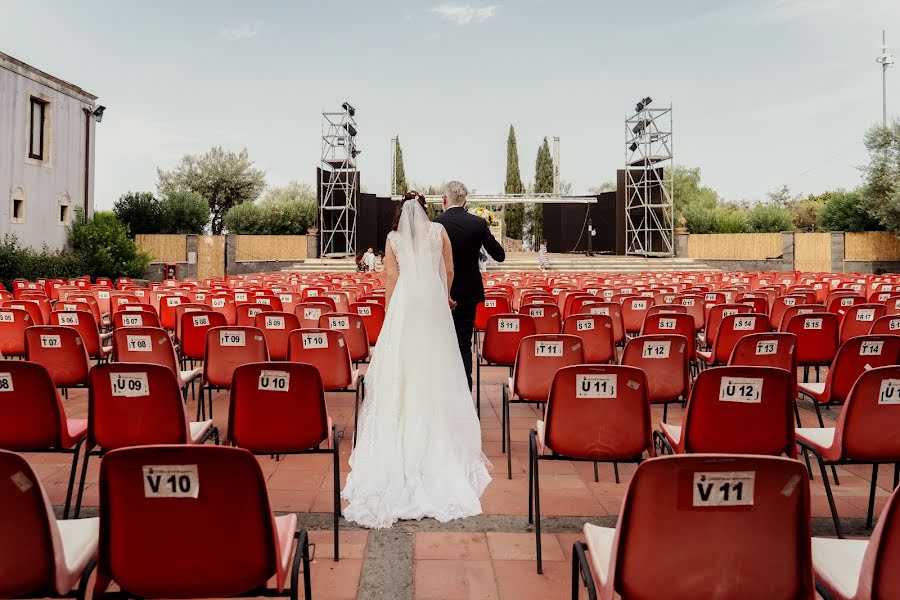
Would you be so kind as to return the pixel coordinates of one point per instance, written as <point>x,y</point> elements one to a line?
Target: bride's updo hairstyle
<point>410,195</point>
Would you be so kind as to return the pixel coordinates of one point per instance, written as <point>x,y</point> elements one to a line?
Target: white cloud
<point>241,32</point>
<point>464,14</point>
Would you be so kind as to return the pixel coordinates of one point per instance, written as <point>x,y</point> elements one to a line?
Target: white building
<point>46,153</point>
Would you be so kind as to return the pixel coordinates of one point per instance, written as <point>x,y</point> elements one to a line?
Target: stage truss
<point>339,183</point>
<point>649,190</point>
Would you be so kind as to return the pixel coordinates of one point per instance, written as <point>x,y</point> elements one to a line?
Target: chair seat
<point>285,527</point>
<point>837,564</point>
<point>354,378</point>
<point>105,351</point>
<point>705,356</point>
<point>820,438</point>
<point>79,539</point>
<point>199,429</point>
<point>816,390</point>
<point>600,546</point>
<point>185,377</point>
<point>540,429</point>
<point>75,429</point>
<point>672,434</point>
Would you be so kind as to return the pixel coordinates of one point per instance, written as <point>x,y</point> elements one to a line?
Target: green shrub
<point>183,212</point>
<point>730,220</point>
<point>244,219</point>
<point>286,210</point>
<point>847,211</point>
<point>21,261</point>
<point>806,215</point>
<point>699,218</point>
<point>768,218</point>
<point>102,247</point>
<point>139,211</point>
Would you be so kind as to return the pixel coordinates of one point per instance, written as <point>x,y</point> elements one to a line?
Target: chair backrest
<point>31,555</point>
<point>673,324</point>
<point>633,311</point>
<point>732,329</point>
<point>229,347</point>
<point>817,337</point>
<point>740,410</point>
<point>268,299</point>
<point>502,335</point>
<point>277,407</point>
<point>886,324</point>
<point>31,413</point>
<point>598,412</point>
<point>793,311</point>
<point>325,349</point>
<point>492,305</point>
<point>841,303</point>
<point>611,309</point>
<point>144,345</point>
<point>135,318</point>
<point>718,313</point>
<point>276,327</point>
<point>289,300</point>
<point>755,517</point>
<point>247,311</point>
<point>83,322</point>
<point>771,349</point>
<point>878,577</point>
<point>182,309</point>
<point>194,325</point>
<point>859,319</point>
<point>546,317</point>
<point>856,356</point>
<point>13,323</point>
<point>664,357</point>
<point>167,305</point>
<point>866,429</point>
<point>596,331</point>
<point>781,304</point>
<point>309,312</point>
<point>354,329</point>
<point>223,303</point>
<point>538,359</point>
<point>61,351</point>
<point>152,495</point>
<point>77,301</point>
<point>135,404</point>
<point>373,316</point>
<point>30,306</point>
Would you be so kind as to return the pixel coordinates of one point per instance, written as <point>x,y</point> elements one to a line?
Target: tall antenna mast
<point>885,60</point>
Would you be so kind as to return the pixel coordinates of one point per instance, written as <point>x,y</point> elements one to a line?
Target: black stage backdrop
<point>565,225</point>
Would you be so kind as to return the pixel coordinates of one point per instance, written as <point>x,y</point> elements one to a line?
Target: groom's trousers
<point>464,321</point>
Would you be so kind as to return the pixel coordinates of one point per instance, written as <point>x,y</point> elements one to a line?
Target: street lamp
<point>885,60</point>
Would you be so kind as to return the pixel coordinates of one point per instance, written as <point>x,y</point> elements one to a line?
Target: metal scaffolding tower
<point>339,183</point>
<point>649,193</point>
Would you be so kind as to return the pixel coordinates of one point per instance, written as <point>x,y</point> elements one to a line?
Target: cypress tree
<point>513,213</point>
<point>399,172</point>
<point>543,184</point>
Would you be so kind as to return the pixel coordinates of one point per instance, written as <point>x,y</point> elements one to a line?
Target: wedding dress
<point>418,445</point>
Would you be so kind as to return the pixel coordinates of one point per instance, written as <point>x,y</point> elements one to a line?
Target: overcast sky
<point>765,93</point>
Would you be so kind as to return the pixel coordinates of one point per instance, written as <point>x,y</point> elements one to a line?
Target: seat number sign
<point>548,349</point>
<point>744,323</point>
<point>657,349</point>
<point>490,304</point>
<point>171,481</point>
<point>600,310</point>
<point>733,488</point>
<point>132,320</point>
<point>274,381</point>
<point>6,382</point>
<point>232,338</point>
<point>67,318</point>
<point>508,324</point>
<point>871,348</point>
<point>7,317</point>
<point>51,341</point>
<point>311,313</point>
<point>889,392</point>
<point>747,390</point>
<point>766,347</point>
<point>595,386</point>
<point>584,324</point>
<point>536,312</point>
<point>130,385</point>
<point>364,311</point>
<point>338,323</point>
<point>201,321</point>
<point>314,340</point>
<point>812,324</point>
<point>139,343</point>
<point>865,314</point>
<point>667,324</point>
<point>274,322</point>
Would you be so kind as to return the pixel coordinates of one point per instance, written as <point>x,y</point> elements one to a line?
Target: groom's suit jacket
<point>468,233</point>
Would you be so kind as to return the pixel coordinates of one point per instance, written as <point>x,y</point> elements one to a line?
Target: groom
<point>468,234</point>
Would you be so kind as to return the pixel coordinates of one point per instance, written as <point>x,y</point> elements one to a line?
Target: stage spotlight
<point>633,146</point>
<point>643,104</point>
<point>350,129</point>
<point>355,153</point>
<point>639,127</point>
<point>346,106</point>
<point>647,101</point>
<point>98,113</point>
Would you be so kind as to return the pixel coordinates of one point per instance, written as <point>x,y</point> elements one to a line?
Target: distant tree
<point>543,184</point>
<point>689,191</point>
<point>225,179</point>
<point>881,189</point>
<point>399,172</point>
<point>845,211</point>
<point>513,214</point>
<point>183,212</point>
<point>139,211</point>
<point>606,186</point>
<point>766,217</point>
<point>290,209</point>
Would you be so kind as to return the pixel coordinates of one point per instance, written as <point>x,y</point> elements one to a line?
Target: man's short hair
<point>456,192</point>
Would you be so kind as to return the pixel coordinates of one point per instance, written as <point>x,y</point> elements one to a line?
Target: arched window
<point>65,208</point>
<point>17,204</point>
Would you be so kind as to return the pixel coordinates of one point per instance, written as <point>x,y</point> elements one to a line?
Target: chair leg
<point>665,411</point>
<point>616,471</point>
<point>809,470</point>
<point>796,412</point>
<point>537,513</point>
<point>355,416</point>
<point>873,486</point>
<point>201,411</point>
<point>829,495</point>
<point>71,485</point>
<point>896,475</point>
<point>478,385</point>
<point>336,443</point>
<point>818,412</point>
<point>84,466</point>
<point>503,392</point>
<point>596,473</point>
<point>508,443</point>
<point>531,452</point>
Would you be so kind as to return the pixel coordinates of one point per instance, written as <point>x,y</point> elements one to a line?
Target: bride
<point>418,445</point>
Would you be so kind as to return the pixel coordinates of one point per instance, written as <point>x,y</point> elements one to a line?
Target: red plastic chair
<point>29,306</point>
<point>492,305</point>
<point>888,324</point>
<point>731,329</point>
<point>61,351</point>
<point>817,339</point>
<point>633,312</point>
<point>289,300</point>
<point>141,514</point>
<point>797,309</point>
<point>613,310</point>
<point>696,308</point>
<point>841,303</point>
<point>224,303</point>
<point>502,335</point>
<point>664,358</point>
<point>354,331</point>
<point>735,410</point>
<point>771,349</point>
<point>83,322</point>
<point>859,319</point>
<point>781,304</point>
<point>373,316</point>
<point>546,317</point>
<point>673,324</point>
<point>866,432</point>
<point>752,546</point>
<point>596,331</point>
<point>309,313</point>
<point>276,327</point>
<point>182,309</point>
<point>717,313</point>
<point>13,323</point>
<point>538,358</point>
<point>859,569</point>
<point>150,345</point>
<point>246,313</point>
<point>39,554</point>
<point>136,404</point>
<point>135,318</point>
<point>194,325</point>
<point>227,348</point>
<point>594,413</point>
<point>280,408</point>
<point>167,306</point>
<point>854,357</point>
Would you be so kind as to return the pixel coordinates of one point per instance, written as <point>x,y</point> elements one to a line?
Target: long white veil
<point>419,257</point>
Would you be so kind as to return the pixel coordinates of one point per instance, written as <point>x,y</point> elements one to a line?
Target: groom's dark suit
<point>468,234</point>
